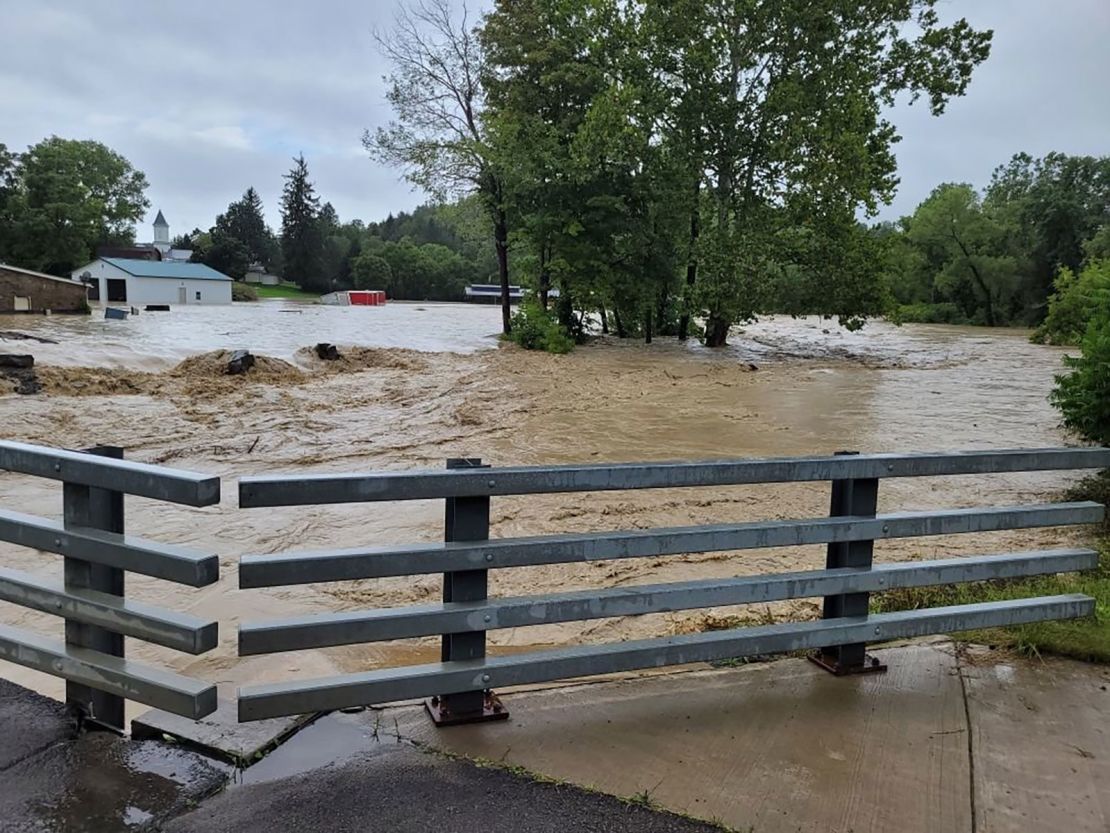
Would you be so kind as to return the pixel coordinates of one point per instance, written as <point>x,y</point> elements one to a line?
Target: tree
<point>222,252</point>
<point>1076,300</point>
<point>186,241</point>
<point>965,247</point>
<point>1083,395</point>
<point>65,198</point>
<point>1054,206</point>
<point>371,271</point>
<point>244,220</point>
<point>438,137</point>
<point>301,243</point>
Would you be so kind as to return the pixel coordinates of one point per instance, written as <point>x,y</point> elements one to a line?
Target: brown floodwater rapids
<point>787,387</point>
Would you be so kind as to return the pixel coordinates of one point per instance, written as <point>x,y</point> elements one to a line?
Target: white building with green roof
<point>138,283</point>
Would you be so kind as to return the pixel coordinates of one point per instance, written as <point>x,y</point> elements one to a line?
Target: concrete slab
<point>1041,743</point>
<point>777,747</point>
<point>392,786</point>
<point>219,735</point>
<point>101,783</point>
<point>31,723</point>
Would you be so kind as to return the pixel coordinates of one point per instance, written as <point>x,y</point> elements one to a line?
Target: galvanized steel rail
<point>91,596</point>
<point>460,685</point>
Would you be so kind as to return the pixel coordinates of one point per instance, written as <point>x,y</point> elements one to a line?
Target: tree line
<point>429,254</point>
<point>672,161</point>
<point>992,258</point>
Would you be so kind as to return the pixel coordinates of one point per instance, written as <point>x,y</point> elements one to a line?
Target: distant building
<point>114,280</point>
<point>490,293</point>
<point>22,290</point>
<point>160,249</point>
<point>256,273</point>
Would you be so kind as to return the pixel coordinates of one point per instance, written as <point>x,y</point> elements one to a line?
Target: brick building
<point>22,290</point>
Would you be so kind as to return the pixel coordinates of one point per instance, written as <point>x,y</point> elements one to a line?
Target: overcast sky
<point>209,97</point>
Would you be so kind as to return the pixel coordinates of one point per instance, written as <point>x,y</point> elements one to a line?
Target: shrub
<point>1083,395</point>
<point>1075,299</point>
<point>925,313</point>
<point>535,328</point>
<point>243,292</point>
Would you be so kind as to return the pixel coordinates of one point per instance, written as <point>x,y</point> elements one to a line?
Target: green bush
<point>925,313</point>
<point>1083,395</point>
<point>243,292</point>
<point>1075,299</point>
<point>535,328</point>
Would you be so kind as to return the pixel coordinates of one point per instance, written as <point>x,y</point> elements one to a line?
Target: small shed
<point>22,290</point>
<point>115,280</point>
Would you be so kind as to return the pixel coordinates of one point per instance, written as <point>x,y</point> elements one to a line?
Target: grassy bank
<point>285,290</point>
<point>1086,639</point>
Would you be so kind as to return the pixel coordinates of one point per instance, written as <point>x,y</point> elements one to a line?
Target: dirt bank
<point>399,409</point>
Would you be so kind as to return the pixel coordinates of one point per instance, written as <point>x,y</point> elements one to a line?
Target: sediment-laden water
<point>787,387</point>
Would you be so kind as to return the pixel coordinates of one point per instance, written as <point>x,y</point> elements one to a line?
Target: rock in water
<point>19,360</point>
<point>240,362</point>
<point>327,352</point>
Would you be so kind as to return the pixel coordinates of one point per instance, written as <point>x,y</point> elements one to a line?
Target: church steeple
<point>161,229</point>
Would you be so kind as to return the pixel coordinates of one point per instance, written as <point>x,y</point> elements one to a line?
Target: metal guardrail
<point>460,685</point>
<point>91,598</point>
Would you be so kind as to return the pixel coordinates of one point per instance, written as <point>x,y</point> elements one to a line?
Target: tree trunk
<point>647,326</point>
<point>545,275</point>
<point>618,323</point>
<point>716,331</point>
<point>501,240</point>
<point>691,263</point>
<point>987,299</point>
<point>604,320</point>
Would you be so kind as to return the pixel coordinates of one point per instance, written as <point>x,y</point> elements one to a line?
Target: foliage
<point>925,313</point>
<point>222,252</point>
<point>371,271</point>
<point>1083,395</point>
<point>1075,299</point>
<point>301,240</point>
<point>61,199</point>
<point>688,157</point>
<point>438,137</point>
<point>243,292</point>
<point>1085,639</point>
<point>535,328</point>
<point>244,220</point>
<point>1039,220</point>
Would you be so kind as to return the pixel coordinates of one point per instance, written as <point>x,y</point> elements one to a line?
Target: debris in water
<point>20,369</point>
<point>115,314</point>
<point>20,360</point>
<point>15,335</point>
<point>327,352</point>
<point>240,362</point>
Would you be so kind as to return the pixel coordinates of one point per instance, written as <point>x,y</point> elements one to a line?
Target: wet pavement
<point>947,740</point>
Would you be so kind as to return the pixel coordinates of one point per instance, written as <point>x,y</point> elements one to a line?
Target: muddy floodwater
<point>420,383</point>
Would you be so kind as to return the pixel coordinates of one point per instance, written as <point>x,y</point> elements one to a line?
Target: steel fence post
<point>465,519</point>
<point>94,508</point>
<point>858,498</point>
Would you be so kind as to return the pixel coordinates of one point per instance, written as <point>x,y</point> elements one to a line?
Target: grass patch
<point>1086,639</point>
<point>285,290</point>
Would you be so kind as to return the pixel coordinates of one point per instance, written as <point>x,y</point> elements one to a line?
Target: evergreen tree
<point>301,242</point>
<point>245,222</point>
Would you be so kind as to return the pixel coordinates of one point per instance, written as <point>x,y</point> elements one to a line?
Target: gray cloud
<point>208,98</point>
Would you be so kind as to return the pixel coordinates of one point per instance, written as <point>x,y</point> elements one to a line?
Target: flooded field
<point>787,387</point>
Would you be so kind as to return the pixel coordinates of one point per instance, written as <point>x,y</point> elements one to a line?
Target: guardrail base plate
<point>871,665</point>
<point>441,714</point>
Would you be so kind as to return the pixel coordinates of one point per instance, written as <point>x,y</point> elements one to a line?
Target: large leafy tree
<point>1053,207</point>
<point>301,241</point>
<point>66,197</point>
<point>967,254</point>
<point>744,135</point>
<point>437,137</point>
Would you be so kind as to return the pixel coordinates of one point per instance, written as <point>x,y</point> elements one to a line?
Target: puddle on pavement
<point>329,741</point>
